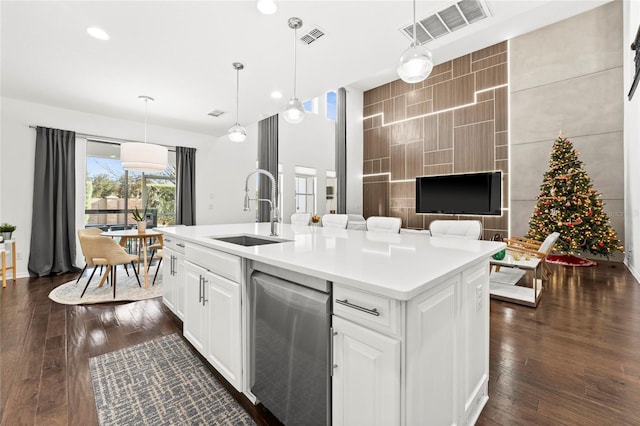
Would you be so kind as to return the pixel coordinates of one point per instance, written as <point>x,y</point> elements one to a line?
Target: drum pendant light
<point>237,133</point>
<point>144,157</point>
<point>416,62</point>
<point>293,111</point>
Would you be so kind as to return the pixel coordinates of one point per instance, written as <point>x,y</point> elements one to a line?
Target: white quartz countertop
<point>400,266</point>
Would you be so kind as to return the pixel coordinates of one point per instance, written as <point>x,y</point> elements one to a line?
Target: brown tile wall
<point>438,126</point>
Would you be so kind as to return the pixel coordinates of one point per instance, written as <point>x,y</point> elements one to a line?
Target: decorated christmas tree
<point>569,204</point>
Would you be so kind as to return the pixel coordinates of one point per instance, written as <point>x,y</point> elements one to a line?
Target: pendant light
<point>416,62</point>
<point>267,7</point>
<point>237,133</point>
<point>144,157</point>
<point>293,111</point>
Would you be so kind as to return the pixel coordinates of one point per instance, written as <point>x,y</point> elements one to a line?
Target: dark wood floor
<point>574,360</point>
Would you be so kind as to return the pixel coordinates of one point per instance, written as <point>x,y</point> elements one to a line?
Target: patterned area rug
<point>160,382</point>
<point>127,289</point>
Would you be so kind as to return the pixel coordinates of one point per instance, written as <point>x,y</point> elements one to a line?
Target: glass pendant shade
<point>293,111</point>
<point>237,133</point>
<point>144,157</point>
<point>415,64</point>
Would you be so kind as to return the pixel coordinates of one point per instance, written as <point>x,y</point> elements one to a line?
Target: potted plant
<point>141,219</point>
<point>6,230</point>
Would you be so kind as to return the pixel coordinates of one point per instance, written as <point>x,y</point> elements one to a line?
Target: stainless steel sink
<point>249,240</point>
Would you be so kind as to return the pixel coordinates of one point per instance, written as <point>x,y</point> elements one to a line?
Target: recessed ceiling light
<point>267,7</point>
<point>98,33</point>
<point>276,94</point>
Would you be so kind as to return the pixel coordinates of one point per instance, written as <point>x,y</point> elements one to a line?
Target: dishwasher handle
<point>345,302</point>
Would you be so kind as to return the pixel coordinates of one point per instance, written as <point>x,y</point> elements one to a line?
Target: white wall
<point>307,144</point>
<point>631,13</point>
<point>575,87</point>
<point>221,170</point>
<point>17,148</point>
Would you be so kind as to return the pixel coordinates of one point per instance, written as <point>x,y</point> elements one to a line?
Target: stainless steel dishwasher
<point>290,344</point>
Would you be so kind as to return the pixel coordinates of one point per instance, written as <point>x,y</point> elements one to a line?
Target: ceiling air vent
<point>312,35</point>
<point>216,113</point>
<point>455,17</point>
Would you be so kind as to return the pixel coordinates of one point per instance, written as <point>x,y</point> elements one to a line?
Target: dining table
<point>126,235</point>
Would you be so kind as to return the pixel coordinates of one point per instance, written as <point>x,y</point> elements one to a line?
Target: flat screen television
<point>469,193</point>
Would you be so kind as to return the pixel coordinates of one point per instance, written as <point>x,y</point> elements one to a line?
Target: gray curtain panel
<point>185,186</point>
<point>267,160</point>
<point>53,224</point>
<point>341,150</point>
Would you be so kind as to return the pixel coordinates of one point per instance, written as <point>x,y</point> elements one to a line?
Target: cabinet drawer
<point>173,243</point>
<point>223,264</point>
<point>371,310</point>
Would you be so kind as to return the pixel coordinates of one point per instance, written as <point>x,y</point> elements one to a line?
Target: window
<point>305,190</point>
<point>311,105</point>
<point>331,105</point>
<point>112,192</point>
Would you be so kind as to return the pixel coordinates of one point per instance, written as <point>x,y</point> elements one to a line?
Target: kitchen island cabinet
<point>173,275</point>
<point>410,323</point>
<point>212,310</point>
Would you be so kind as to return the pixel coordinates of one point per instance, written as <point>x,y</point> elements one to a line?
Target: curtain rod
<point>105,139</point>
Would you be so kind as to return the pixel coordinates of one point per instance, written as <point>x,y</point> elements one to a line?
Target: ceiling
<point>180,52</point>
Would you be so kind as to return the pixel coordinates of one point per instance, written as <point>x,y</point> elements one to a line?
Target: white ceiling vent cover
<point>453,18</point>
<point>215,113</point>
<point>312,35</point>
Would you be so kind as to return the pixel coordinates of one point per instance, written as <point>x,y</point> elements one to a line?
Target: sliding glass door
<point>112,192</point>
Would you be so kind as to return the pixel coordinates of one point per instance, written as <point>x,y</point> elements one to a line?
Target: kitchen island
<point>409,314</point>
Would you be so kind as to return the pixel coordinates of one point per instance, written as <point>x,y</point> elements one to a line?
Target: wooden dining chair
<point>105,251</point>
<point>82,233</point>
<point>155,248</point>
<point>160,255</point>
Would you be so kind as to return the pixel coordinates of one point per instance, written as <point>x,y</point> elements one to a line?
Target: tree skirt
<point>569,260</point>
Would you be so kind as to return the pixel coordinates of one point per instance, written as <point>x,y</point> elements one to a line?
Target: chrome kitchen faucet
<point>274,212</point>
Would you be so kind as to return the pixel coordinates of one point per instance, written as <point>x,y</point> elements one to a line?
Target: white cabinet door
<point>168,280</point>
<point>223,327</point>
<point>173,278</point>
<point>194,310</point>
<point>475,342</point>
<point>179,285</point>
<point>432,357</point>
<point>366,376</point>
